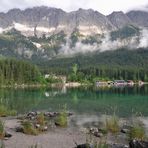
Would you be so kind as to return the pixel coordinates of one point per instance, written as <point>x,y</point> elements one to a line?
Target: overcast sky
<point>103,6</point>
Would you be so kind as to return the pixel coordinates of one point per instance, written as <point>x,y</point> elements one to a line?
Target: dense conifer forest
<point>18,72</point>
<point>119,64</point>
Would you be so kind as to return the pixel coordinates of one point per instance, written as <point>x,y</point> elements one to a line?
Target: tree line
<point>120,64</point>
<point>18,72</point>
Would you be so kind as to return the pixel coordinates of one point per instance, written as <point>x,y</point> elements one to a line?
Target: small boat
<point>120,82</point>
<point>130,82</point>
<point>140,83</point>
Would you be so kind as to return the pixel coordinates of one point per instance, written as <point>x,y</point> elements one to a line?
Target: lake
<point>125,101</point>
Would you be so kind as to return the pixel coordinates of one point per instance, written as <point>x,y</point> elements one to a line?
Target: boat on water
<point>120,82</point>
<point>130,82</point>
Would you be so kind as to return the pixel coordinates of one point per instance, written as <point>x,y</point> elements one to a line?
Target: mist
<point>106,44</point>
<point>143,39</point>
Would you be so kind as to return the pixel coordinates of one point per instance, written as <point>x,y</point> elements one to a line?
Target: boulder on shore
<point>138,144</point>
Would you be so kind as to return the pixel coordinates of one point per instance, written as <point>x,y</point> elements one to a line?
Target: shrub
<point>137,132</point>
<point>62,119</point>
<point>28,128</point>
<point>112,124</point>
<point>41,119</point>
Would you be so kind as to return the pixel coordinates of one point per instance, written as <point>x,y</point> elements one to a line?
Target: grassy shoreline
<point>113,130</point>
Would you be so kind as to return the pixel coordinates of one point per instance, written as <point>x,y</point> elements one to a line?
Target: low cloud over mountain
<point>50,31</point>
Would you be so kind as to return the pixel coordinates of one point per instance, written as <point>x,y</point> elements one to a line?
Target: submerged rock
<point>70,114</point>
<point>32,114</point>
<point>116,145</point>
<point>96,132</point>
<point>109,146</point>
<point>138,144</point>
<point>8,135</point>
<point>45,128</point>
<point>125,131</point>
<point>86,145</point>
<point>19,129</point>
<point>37,125</point>
<point>51,114</point>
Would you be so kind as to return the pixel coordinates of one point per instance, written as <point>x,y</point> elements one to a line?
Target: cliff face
<point>139,17</point>
<point>119,19</point>
<point>39,20</point>
<point>41,33</point>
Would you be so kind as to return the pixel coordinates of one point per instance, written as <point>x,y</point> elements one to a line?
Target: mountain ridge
<point>49,20</point>
<point>44,33</point>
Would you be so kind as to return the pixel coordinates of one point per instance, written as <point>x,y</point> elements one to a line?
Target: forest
<point>110,65</point>
<point>18,72</point>
<point>115,64</point>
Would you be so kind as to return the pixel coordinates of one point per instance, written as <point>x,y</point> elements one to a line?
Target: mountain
<point>121,58</point>
<point>48,20</point>
<point>44,33</point>
<point>39,20</point>
<point>139,17</point>
<point>119,19</point>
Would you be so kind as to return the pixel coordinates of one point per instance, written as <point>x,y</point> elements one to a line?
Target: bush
<point>28,128</point>
<point>137,132</point>
<point>40,119</point>
<point>62,119</point>
<point>112,124</point>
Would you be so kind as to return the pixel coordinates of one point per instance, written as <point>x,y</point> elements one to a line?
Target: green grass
<point>62,119</point>
<point>91,142</point>
<point>29,128</point>
<point>112,124</point>
<point>4,111</point>
<point>2,131</point>
<point>101,145</point>
<point>2,145</point>
<point>34,146</point>
<point>41,119</point>
<point>137,132</point>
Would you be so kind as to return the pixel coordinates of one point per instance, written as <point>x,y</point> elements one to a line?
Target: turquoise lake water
<point>125,101</point>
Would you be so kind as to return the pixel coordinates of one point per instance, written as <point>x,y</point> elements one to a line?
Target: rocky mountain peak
<point>139,17</point>
<point>119,19</point>
<point>48,20</point>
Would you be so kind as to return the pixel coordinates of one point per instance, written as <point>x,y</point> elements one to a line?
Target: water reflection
<point>126,100</point>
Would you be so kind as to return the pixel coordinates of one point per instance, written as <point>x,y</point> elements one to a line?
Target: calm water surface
<point>125,101</point>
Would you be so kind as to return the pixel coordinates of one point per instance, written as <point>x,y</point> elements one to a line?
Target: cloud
<point>79,48</point>
<point>105,6</point>
<point>143,39</point>
<point>106,44</point>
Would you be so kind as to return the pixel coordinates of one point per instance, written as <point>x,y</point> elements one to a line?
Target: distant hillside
<point>135,58</point>
<point>13,72</point>
<point>53,38</point>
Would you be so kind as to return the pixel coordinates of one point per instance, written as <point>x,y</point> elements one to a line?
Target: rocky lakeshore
<point>51,130</point>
